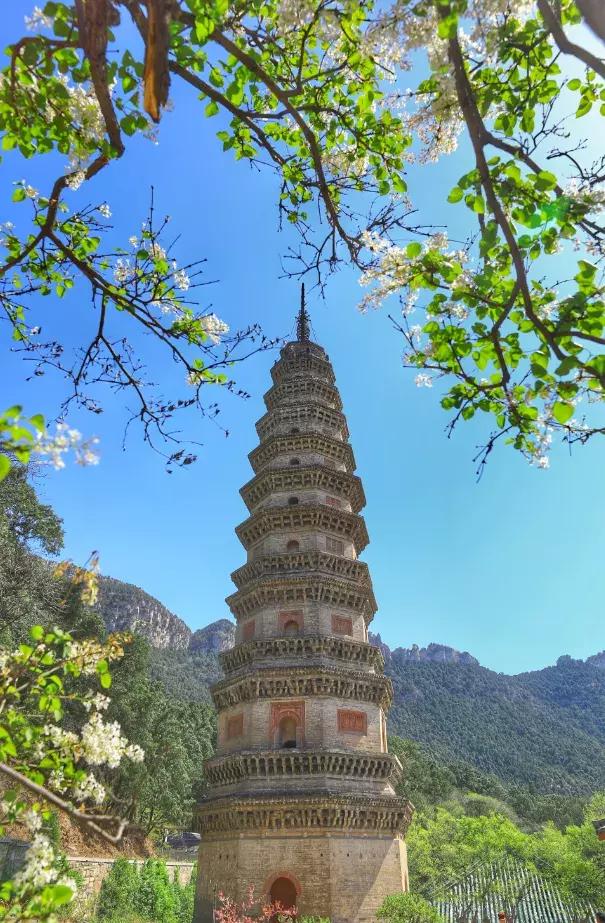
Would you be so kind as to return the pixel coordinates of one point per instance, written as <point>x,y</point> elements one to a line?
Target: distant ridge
<point>543,729</point>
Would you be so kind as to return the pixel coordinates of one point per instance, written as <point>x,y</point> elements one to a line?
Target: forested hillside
<point>543,730</point>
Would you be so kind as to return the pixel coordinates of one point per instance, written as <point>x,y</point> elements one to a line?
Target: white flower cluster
<point>89,128</point>
<point>393,269</point>
<point>37,20</point>
<point>89,789</point>
<point>103,744</point>
<point>214,327</point>
<point>54,447</point>
<point>181,280</point>
<point>423,381</point>
<point>41,867</point>
<point>123,271</point>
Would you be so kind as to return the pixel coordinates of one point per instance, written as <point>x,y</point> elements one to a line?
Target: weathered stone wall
<point>94,871</point>
<point>320,730</point>
<point>345,878</point>
<point>317,620</point>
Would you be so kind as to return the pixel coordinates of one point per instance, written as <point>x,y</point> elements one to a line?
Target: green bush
<point>119,890</point>
<point>407,908</point>
<point>147,896</point>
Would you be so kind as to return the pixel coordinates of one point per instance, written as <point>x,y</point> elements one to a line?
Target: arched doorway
<point>283,892</point>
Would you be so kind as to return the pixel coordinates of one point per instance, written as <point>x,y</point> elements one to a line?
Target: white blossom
<point>54,447</point>
<point>89,789</point>
<point>75,180</point>
<point>105,210</point>
<point>423,381</point>
<point>123,270</point>
<point>103,744</point>
<point>182,280</point>
<point>37,20</point>
<point>214,327</point>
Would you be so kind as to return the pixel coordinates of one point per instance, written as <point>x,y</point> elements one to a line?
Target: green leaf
<point>562,411</point>
<point>455,195</point>
<point>211,109</point>
<point>414,249</point>
<point>105,679</point>
<point>5,466</point>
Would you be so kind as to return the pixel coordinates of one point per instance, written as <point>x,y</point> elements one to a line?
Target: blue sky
<point>510,569</point>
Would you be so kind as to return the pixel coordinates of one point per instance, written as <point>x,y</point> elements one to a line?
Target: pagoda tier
<point>301,802</point>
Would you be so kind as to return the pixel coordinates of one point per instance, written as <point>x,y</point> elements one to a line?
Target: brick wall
<point>342,877</point>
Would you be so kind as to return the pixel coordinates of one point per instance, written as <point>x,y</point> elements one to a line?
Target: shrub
<point>408,908</point>
<point>119,891</point>
<point>147,896</point>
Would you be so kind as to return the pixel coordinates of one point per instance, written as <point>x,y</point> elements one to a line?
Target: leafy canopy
<point>303,86</point>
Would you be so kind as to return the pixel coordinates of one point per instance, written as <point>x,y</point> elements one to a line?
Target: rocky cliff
<point>214,638</point>
<point>125,607</point>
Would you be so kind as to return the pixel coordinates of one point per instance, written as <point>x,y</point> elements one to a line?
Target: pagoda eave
<point>341,484</point>
<point>292,591</point>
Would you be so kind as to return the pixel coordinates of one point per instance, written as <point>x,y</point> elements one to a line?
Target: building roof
<point>509,886</point>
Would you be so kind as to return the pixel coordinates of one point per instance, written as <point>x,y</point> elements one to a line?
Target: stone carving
<point>270,764</point>
<point>295,591</point>
<point>310,681</point>
<point>304,647</point>
<point>352,722</point>
<point>311,477</point>
<point>306,516</point>
<point>299,388</point>
<point>316,443</point>
<point>349,813</point>
<point>305,561</point>
<point>342,625</point>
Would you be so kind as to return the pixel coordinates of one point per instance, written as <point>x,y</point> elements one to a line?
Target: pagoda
<point>301,801</point>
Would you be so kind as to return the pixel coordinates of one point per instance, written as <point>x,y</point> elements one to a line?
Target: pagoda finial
<point>303,321</point>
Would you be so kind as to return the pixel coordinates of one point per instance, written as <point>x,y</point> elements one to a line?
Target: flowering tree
<point>43,764</point>
<point>310,88</point>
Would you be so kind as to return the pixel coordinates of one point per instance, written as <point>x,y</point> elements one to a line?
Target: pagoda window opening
<point>293,501</point>
<point>287,733</point>
<point>295,430</point>
<point>291,627</point>
<point>293,545</point>
<point>295,461</point>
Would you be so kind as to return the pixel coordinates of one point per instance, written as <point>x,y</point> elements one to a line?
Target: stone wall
<point>94,871</point>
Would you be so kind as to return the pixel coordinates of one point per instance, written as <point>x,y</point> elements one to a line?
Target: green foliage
<point>177,737</point>
<point>119,890</point>
<point>31,590</point>
<point>445,846</point>
<point>542,730</point>
<point>146,894</point>
<point>407,908</point>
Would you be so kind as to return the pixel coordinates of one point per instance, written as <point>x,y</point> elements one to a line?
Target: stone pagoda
<point>301,802</point>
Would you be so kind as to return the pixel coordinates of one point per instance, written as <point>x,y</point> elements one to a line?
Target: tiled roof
<point>512,887</point>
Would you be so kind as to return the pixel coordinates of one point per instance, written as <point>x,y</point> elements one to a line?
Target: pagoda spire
<point>303,321</point>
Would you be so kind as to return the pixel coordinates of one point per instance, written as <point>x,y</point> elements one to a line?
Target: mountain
<point>214,638</point>
<point>125,607</point>
<point>543,730</point>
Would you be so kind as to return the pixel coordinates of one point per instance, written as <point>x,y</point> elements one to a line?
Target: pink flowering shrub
<point>251,910</point>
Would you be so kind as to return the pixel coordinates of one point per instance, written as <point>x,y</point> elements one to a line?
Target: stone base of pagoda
<point>338,857</point>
